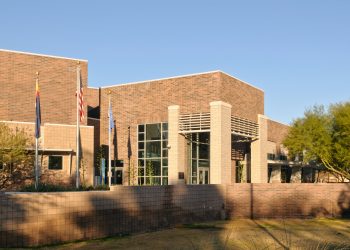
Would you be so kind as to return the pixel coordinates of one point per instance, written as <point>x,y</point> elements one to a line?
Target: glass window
<point>55,162</point>
<point>203,151</point>
<point>200,154</point>
<point>141,137</point>
<point>141,154</point>
<point>141,163</point>
<point>153,168</point>
<point>141,128</point>
<point>153,149</point>
<point>153,153</point>
<point>141,172</point>
<point>203,163</point>
<point>152,132</point>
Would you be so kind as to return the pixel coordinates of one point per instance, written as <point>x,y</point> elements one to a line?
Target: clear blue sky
<point>297,51</point>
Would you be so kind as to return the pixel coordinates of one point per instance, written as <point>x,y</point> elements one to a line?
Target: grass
<point>315,234</point>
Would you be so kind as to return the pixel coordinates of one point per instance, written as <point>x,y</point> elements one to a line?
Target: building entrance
<point>198,153</point>
<point>203,176</point>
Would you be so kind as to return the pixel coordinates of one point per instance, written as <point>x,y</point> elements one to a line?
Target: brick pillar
<point>259,153</point>
<point>176,151</point>
<point>220,143</point>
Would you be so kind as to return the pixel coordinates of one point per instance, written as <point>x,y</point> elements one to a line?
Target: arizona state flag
<point>37,111</point>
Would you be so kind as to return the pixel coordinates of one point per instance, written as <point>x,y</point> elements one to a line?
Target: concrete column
<point>275,174</point>
<point>176,150</point>
<point>296,175</point>
<point>259,153</point>
<point>220,143</point>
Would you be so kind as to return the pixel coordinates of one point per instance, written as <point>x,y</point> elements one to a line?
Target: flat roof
<point>35,54</point>
<point>180,76</point>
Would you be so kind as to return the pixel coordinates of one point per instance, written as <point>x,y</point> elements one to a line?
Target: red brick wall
<point>57,87</point>
<point>48,218</point>
<point>247,101</point>
<point>282,200</point>
<point>276,131</point>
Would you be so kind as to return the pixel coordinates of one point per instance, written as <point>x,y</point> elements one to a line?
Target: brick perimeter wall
<point>47,218</point>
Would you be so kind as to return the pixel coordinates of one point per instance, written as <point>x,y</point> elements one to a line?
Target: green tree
<point>323,137</point>
<point>16,162</point>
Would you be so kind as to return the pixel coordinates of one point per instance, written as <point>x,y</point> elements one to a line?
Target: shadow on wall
<point>30,219</point>
<point>288,200</point>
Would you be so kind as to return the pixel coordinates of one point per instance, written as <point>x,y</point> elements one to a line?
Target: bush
<point>58,188</point>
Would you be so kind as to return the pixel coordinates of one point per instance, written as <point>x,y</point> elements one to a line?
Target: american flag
<point>81,105</point>
<point>81,100</point>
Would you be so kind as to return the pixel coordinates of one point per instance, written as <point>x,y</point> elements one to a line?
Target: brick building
<point>206,128</point>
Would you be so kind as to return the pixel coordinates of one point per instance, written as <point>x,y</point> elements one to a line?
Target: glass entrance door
<point>203,176</point>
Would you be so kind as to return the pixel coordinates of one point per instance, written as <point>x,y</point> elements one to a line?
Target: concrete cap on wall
<point>174,107</point>
<point>220,103</point>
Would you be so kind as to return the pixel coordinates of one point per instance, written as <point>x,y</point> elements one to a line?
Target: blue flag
<point>111,120</point>
<point>37,112</point>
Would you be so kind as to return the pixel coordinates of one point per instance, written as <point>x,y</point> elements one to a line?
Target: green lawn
<point>235,234</point>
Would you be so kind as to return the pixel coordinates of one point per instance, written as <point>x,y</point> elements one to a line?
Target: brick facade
<point>148,102</point>
<point>57,81</point>
<point>132,104</point>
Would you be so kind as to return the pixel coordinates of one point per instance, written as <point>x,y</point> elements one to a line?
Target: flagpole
<point>36,146</point>
<point>109,140</point>
<point>78,126</point>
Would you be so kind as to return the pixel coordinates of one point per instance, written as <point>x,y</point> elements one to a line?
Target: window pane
<point>203,151</point>
<point>204,137</point>
<point>141,163</point>
<point>165,153</point>
<point>153,149</point>
<point>141,145</point>
<point>194,180</point>
<point>194,171</point>
<point>203,163</point>
<point>165,181</point>
<point>153,168</point>
<point>55,162</point>
<point>194,150</point>
<point>141,172</point>
<point>165,135</point>
<point>153,181</point>
<point>141,154</point>
<point>165,162</point>
<point>165,144</point>
<point>153,131</point>
<point>194,163</point>
<point>141,128</point>
<point>165,126</point>
<point>141,181</point>
<point>141,137</point>
<point>165,171</point>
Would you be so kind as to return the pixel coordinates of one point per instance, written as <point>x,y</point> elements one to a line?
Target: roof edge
<point>249,84</point>
<point>159,79</point>
<point>179,76</point>
<point>44,55</point>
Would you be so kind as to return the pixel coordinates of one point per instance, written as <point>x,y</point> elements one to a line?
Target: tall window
<point>153,154</point>
<point>200,152</point>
